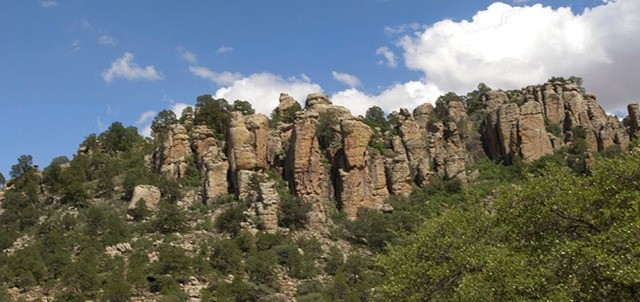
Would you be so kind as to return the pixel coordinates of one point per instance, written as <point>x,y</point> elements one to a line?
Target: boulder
<point>150,196</point>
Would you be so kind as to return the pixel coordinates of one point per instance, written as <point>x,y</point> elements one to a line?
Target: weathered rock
<point>267,205</point>
<point>355,136</point>
<point>150,195</point>
<point>304,166</point>
<point>363,186</point>
<point>171,155</point>
<point>422,114</point>
<point>247,144</point>
<point>285,102</point>
<point>212,163</point>
<point>534,140</point>
<point>634,120</point>
<point>456,110</point>
<point>315,99</point>
<point>413,139</point>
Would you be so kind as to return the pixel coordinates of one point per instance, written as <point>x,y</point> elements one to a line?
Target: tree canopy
<point>557,237</point>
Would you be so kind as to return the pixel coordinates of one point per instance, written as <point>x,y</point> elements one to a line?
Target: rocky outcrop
<point>149,195</point>
<point>305,168</point>
<point>247,144</point>
<point>362,181</point>
<point>326,155</point>
<point>520,130</point>
<point>171,156</point>
<point>212,163</point>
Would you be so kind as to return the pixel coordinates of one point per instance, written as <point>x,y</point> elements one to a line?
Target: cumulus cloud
<point>125,67</point>
<point>225,49</point>
<point>389,56</point>
<point>220,78</point>
<point>406,95</point>
<point>107,40</point>
<point>263,90</point>
<point>509,47</point>
<point>403,28</point>
<point>345,78</point>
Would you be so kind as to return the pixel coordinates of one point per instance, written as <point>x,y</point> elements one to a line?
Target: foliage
<point>24,165</point>
<point>324,129</point>
<point>170,218</point>
<point>162,122</point>
<point>558,236</point>
<point>120,139</point>
<point>2,180</point>
<point>216,113</point>
<point>552,128</point>
<point>229,220</point>
<point>226,256</point>
<point>375,118</point>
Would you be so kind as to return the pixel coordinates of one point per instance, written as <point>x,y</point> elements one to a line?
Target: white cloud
<point>188,56</point>
<point>177,108</point>
<point>403,28</point>
<point>219,78</point>
<point>107,40</point>
<point>75,45</point>
<point>345,78</point>
<point>146,117</point>
<point>520,1</point>
<point>509,47</point>
<point>406,95</point>
<point>48,4</point>
<point>263,90</point>
<point>389,56</point>
<point>225,49</point>
<point>124,67</point>
<point>101,126</point>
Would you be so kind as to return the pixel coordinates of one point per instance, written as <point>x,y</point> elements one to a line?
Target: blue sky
<point>70,68</point>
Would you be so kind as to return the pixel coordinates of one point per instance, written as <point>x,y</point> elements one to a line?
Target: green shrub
<point>226,256</point>
<point>229,220</point>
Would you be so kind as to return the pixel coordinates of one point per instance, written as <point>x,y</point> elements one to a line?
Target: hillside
<point>314,204</point>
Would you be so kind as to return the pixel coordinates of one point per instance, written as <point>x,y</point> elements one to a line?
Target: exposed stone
<point>285,102</point>
<point>315,99</point>
<point>422,114</point>
<point>247,144</point>
<point>267,205</point>
<point>150,195</point>
<point>355,136</point>
<point>304,167</point>
<point>170,157</point>
<point>457,110</point>
<point>212,163</point>
<point>634,120</point>
<point>534,140</point>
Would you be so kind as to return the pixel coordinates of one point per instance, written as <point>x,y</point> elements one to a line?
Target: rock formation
<point>327,155</point>
<point>149,195</point>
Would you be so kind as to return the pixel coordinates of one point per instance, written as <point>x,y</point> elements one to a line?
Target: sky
<point>69,68</point>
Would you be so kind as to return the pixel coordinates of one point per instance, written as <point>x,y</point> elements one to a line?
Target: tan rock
<point>150,195</point>
<point>534,140</point>
<point>247,144</point>
<point>170,157</point>
<point>355,136</point>
<point>212,163</point>
<point>363,187</point>
<point>304,167</point>
<point>422,114</point>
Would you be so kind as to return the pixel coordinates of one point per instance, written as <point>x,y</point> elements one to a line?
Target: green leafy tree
<point>170,218</point>
<point>162,122</point>
<point>24,165</point>
<point>556,237</point>
<point>120,139</point>
<point>243,106</point>
<point>2,180</point>
<point>214,113</point>
<point>375,118</point>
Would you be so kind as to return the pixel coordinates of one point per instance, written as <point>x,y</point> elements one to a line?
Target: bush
<point>226,256</point>
<point>229,220</point>
<point>170,218</point>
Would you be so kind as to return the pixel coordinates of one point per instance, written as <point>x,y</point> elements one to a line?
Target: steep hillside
<point>224,204</point>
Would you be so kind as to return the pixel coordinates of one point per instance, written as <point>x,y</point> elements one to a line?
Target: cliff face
<point>328,158</point>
